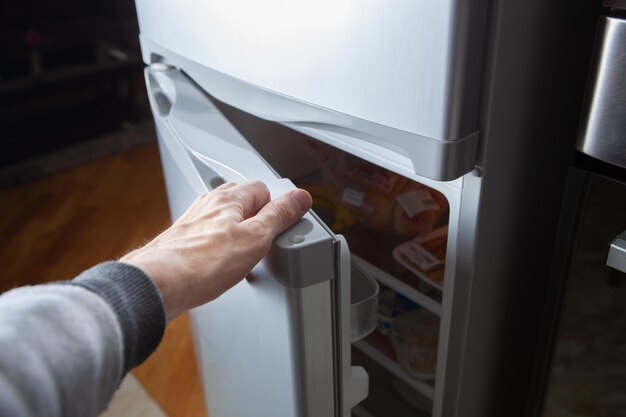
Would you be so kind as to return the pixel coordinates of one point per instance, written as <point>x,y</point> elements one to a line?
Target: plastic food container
<point>415,336</point>
<point>363,304</point>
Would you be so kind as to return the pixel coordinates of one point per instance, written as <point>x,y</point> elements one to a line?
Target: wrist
<point>157,269</point>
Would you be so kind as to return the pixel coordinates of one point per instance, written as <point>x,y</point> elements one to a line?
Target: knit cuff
<point>137,303</point>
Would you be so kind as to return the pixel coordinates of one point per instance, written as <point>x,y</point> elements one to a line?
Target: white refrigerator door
<point>277,344</point>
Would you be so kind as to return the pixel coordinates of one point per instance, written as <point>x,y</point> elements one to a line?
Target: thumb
<point>281,213</point>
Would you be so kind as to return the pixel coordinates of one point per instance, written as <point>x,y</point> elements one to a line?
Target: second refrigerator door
<point>277,344</point>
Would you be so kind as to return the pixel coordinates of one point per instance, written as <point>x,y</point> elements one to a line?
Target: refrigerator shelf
<point>399,286</point>
<point>389,364</point>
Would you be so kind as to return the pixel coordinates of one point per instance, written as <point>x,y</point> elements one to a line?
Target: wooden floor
<point>54,228</point>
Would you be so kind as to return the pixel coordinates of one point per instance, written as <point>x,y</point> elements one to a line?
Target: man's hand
<point>216,242</point>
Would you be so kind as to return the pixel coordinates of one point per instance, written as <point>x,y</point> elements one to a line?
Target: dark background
<point>69,70</point>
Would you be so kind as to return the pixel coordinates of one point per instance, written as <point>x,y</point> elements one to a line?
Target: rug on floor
<point>132,400</point>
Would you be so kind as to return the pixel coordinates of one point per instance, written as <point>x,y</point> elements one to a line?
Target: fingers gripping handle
<point>211,151</point>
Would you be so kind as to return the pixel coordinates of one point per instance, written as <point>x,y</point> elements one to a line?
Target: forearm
<point>64,348</point>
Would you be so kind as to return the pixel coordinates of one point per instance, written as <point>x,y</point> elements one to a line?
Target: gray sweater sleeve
<point>65,348</point>
<point>137,303</point>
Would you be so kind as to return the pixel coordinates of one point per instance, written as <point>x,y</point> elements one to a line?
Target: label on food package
<point>352,197</point>
<point>419,256</point>
<point>416,202</point>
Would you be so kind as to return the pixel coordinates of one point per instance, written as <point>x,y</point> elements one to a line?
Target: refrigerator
<point>579,367</point>
<point>436,139</point>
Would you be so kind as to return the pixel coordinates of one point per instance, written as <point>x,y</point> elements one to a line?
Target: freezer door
<point>399,78</point>
<point>410,65</point>
<point>276,344</point>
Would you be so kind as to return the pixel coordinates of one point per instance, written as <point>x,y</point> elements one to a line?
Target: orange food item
<point>371,190</point>
<point>418,210</point>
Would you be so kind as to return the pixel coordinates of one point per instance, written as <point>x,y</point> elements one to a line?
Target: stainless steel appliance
<point>464,109</point>
<point>579,367</point>
<point>604,121</point>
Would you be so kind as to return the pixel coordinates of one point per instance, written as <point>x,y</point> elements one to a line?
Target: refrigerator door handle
<point>163,95</point>
<point>161,89</point>
<point>215,148</point>
<point>210,152</point>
